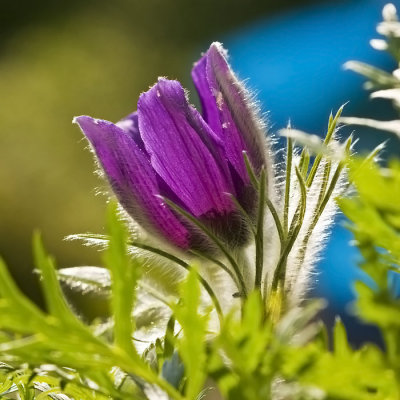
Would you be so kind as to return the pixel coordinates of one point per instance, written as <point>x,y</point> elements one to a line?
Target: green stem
<point>215,239</point>
<point>277,221</point>
<point>259,237</point>
<point>187,266</point>
<point>244,213</point>
<point>160,252</point>
<point>217,262</point>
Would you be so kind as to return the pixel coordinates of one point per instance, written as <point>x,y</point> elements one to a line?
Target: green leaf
<point>54,297</point>
<point>243,361</point>
<point>17,312</point>
<point>340,344</point>
<point>377,308</point>
<point>124,276</point>
<point>192,345</point>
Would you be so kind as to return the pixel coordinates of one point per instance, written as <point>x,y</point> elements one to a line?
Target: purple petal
<point>180,145</point>
<point>227,109</point>
<point>207,98</point>
<point>132,179</point>
<point>130,125</point>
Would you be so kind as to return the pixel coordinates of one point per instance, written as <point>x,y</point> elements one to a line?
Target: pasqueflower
<point>167,149</point>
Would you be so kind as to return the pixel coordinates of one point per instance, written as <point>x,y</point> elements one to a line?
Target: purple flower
<point>167,148</point>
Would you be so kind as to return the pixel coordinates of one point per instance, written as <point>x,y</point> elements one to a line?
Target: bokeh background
<point>59,59</point>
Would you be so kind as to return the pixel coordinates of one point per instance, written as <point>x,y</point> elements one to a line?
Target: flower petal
<point>132,178</point>
<point>130,125</point>
<point>228,110</point>
<point>180,146</point>
<point>207,98</point>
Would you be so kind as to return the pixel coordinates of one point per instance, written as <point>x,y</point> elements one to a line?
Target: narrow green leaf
<point>259,237</point>
<point>250,171</point>
<point>169,339</point>
<point>55,300</point>
<point>192,345</point>
<point>340,344</point>
<point>295,226</point>
<point>17,311</point>
<point>289,158</point>
<point>304,162</point>
<point>277,221</point>
<point>331,130</point>
<point>124,275</point>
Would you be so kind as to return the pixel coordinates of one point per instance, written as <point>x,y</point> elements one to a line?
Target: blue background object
<point>295,60</point>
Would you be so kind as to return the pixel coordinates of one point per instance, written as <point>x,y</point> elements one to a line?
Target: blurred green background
<point>59,59</point>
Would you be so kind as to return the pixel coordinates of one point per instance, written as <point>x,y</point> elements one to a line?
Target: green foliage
<point>343,373</point>
<point>252,356</point>
<point>124,275</point>
<point>59,338</point>
<point>243,360</point>
<point>375,215</point>
<point>191,346</point>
